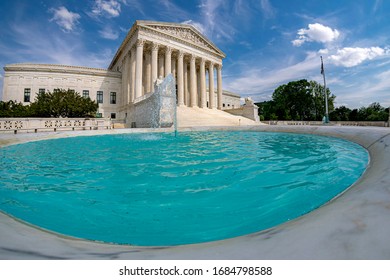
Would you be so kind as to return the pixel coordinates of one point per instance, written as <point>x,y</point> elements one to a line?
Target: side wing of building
<point>22,83</point>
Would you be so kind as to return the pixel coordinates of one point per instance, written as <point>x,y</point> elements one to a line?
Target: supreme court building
<point>150,51</point>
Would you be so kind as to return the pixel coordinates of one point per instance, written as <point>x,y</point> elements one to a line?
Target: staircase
<point>194,116</point>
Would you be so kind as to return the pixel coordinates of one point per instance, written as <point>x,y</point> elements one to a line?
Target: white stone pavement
<point>356,225</point>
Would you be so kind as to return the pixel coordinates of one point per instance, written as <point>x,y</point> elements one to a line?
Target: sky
<point>267,42</point>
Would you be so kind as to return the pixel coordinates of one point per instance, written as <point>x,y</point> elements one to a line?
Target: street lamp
<point>325,93</point>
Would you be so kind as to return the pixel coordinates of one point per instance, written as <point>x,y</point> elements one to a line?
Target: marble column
<point>128,74</point>
<point>211,86</point>
<point>197,86</point>
<point>124,80</point>
<point>185,74</point>
<point>132,74</point>
<point>219,86</point>
<point>161,66</point>
<point>193,83</point>
<point>148,78</point>
<point>168,61</point>
<point>180,79</point>
<point>202,73</point>
<point>174,61</point>
<point>154,64</point>
<point>138,71</point>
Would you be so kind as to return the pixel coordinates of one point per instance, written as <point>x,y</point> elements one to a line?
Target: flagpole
<point>325,93</point>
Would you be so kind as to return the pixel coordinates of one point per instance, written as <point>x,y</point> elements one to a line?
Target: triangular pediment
<point>184,32</point>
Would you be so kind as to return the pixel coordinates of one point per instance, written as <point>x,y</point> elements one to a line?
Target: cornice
<point>56,68</point>
<point>229,93</point>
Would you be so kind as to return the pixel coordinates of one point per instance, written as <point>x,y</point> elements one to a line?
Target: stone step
<point>194,116</point>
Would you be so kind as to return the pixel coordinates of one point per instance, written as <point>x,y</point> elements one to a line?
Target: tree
<point>341,114</point>
<point>300,100</point>
<point>64,103</point>
<point>374,112</point>
<point>12,109</point>
<point>267,110</point>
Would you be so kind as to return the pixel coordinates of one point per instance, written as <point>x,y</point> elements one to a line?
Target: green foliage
<point>297,100</point>
<point>374,112</point>
<point>12,109</point>
<point>64,103</point>
<point>60,102</point>
<point>341,114</point>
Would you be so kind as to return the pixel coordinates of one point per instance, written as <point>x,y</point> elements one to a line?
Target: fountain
<point>157,109</point>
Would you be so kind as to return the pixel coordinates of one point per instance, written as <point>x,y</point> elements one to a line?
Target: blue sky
<point>267,42</point>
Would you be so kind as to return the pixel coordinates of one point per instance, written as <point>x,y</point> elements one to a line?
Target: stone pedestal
<point>250,110</point>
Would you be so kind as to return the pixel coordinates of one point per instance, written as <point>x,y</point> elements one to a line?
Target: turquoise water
<point>155,189</point>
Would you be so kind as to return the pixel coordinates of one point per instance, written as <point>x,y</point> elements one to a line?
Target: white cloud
<point>33,46</point>
<point>267,9</point>
<point>316,33</point>
<point>260,83</point>
<point>108,33</point>
<point>197,25</point>
<point>65,19</point>
<point>110,8</point>
<point>216,29</point>
<point>377,5</point>
<point>136,5</point>
<point>349,57</point>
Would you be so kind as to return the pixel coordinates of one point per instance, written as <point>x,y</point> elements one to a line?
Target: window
<point>99,115</point>
<point>41,90</point>
<point>85,93</point>
<point>99,97</point>
<point>113,98</point>
<point>113,115</point>
<point>27,94</point>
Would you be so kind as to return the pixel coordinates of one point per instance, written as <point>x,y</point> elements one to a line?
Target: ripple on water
<point>155,189</point>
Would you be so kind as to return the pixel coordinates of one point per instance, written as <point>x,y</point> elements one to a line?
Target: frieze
<point>153,34</point>
<point>183,33</point>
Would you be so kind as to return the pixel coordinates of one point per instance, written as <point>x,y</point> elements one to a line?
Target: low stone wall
<point>342,123</point>
<point>378,124</point>
<point>15,125</point>
<point>292,122</point>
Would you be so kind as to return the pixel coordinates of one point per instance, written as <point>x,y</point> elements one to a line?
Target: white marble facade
<point>151,50</point>
<point>22,82</point>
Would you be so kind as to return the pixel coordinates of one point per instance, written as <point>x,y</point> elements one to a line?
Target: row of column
<point>138,80</point>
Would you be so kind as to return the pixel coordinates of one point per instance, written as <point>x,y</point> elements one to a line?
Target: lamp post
<point>325,93</point>
<point>388,121</point>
